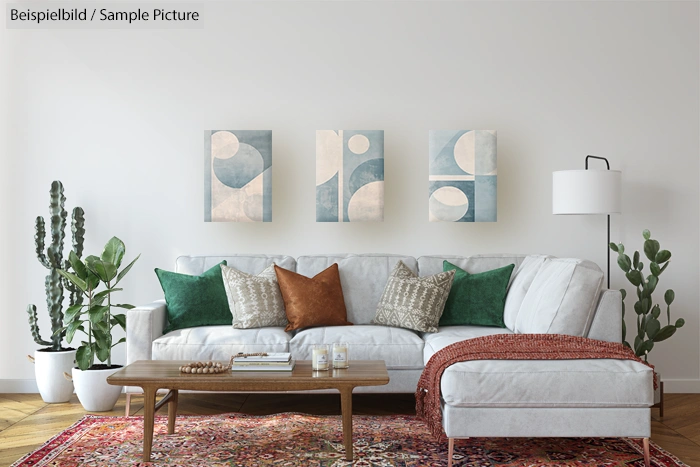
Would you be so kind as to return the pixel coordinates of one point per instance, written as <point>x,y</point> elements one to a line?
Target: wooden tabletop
<point>165,374</point>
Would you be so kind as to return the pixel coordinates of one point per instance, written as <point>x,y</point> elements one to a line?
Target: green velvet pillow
<point>195,300</point>
<point>476,299</point>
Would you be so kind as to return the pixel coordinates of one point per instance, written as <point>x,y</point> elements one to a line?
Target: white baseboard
<point>28,386</point>
<point>682,386</point>
<point>23,386</point>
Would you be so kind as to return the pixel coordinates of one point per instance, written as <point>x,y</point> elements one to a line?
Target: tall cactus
<point>53,260</point>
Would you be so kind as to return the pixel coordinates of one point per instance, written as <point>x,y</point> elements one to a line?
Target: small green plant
<point>52,259</point>
<point>649,328</point>
<point>95,319</point>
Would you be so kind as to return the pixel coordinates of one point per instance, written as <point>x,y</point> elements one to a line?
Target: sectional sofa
<point>480,398</point>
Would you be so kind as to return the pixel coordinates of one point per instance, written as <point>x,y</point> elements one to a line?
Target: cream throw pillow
<point>255,301</point>
<point>413,302</point>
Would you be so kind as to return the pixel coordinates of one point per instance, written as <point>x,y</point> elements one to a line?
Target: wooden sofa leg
<point>647,458</point>
<point>450,451</point>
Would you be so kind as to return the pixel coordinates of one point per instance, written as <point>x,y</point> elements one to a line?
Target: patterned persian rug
<point>293,439</point>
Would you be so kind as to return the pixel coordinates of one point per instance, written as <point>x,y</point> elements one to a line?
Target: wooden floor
<point>26,422</point>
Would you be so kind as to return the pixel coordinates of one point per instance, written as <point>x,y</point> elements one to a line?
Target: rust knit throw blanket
<point>506,347</point>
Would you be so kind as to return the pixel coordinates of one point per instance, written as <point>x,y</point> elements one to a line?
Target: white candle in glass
<point>319,358</point>
<point>340,355</point>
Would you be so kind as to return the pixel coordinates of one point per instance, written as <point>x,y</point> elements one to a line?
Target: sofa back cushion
<point>250,264</point>
<point>363,278</point>
<point>429,265</point>
<point>520,282</point>
<point>561,298</point>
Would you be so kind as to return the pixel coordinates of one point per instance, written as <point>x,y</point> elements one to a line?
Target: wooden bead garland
<point>211,368</point>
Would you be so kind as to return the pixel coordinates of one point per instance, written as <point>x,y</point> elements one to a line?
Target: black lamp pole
<point>607,246</point>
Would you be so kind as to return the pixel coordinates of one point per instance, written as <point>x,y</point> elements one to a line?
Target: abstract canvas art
<point>238,176</point>
<point>462,176</point>
<point>349,175</point>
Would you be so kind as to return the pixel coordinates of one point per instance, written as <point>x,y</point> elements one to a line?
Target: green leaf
<point>102,269</point>
<point>646,234</point>
<point>77,265</point>
<point>669,296</point>
<point>624,293</point>
<point>651,283</point>
<point>102,327</point>
<point>621,248</point>
<point>638,307</point>
<point>77,281</point>
<point>123,339</point>
<point>640,266</point>
<point>113,252</point>
<point>680,322</point>
<point>84,356</point>
<point>119,319</point>
<point>126,306</point>
<point>653,327</point>
<point>103,354</point>
<point>624,262</point>
<point>635,277</point>
<point>125,270</point>
<point>651,247</point>
<point>624,332</point>
<point>613,247</point>
<point>656,311</point>
<point>97,313</point>
<point>655,269</point>
<point>637,344</point>
<point>72,328</point>
<point>72,313</point>
<point>665,333</point>
<point>662,256</point>
<point>646,305</point>
<point>635,259</point>
<point>645,348</point>
<point>663,268</point>
<point>104,293</point>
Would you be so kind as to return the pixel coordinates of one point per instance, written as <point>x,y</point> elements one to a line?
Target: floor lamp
<point>588,192</point>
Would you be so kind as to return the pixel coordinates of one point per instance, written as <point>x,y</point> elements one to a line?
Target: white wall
<point>118,117</point>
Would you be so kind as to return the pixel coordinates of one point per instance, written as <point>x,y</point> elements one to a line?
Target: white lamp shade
<point>586,192</point>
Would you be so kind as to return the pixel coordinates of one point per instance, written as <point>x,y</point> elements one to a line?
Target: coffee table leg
<point>149,409</point>
<point>172,412</point>
<point>346,410</point>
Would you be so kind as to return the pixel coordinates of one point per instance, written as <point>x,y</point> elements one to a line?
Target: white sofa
<point>480,398</point>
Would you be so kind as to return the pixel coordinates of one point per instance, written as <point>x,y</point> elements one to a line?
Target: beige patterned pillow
<point>413,302</point>
<point>255,301</point>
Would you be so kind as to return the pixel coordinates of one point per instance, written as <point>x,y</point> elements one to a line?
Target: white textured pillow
<point>561,298</point>
<point>255,301</point>
<point>413,302</point>
<point>520,283</point>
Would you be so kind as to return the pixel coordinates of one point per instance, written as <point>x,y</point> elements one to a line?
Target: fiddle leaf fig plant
<point>96,319</point>
<point>649,327</point>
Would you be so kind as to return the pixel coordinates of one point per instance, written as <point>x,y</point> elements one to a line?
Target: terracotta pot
<point>93,391</point>
<point>48,371</point>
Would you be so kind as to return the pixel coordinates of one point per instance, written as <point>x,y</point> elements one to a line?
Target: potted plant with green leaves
<point>96,320</point>
<point>52,361</point>
<point>650,327</point>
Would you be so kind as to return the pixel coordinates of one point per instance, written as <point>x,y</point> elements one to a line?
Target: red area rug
<point>293,439</point>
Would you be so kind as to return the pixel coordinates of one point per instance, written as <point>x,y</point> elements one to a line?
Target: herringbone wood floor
<point>26,421</point>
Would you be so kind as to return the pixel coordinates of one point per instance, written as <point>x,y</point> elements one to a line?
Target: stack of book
<point>280,361</point>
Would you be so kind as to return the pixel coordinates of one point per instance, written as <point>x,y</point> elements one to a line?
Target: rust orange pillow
<point>312,301</point>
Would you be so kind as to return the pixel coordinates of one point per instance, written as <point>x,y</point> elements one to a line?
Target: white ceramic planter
<point>93,391</point>
<point>48,371</point>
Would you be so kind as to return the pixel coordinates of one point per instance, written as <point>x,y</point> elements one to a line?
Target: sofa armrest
<point>144,324</point>
<point>607,322</point>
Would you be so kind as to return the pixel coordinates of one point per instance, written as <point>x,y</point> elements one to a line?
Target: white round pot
<point>93,391</point>
<point>48,371</point>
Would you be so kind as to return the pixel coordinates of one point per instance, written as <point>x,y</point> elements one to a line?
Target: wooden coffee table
<point>152,375</point>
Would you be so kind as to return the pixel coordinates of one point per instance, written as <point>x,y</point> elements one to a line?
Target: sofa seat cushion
<point>400,349</point>
<point>548,383</point>
<point>218,343</point>
<point>449,335</point>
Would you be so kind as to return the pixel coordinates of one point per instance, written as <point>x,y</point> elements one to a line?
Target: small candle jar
<point>340,355</point>
<point>319,358</point>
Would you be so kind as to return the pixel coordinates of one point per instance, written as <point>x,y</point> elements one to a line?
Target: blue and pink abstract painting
<point>462,176</point>
<point>349,175</point>
<point>238,176</point>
